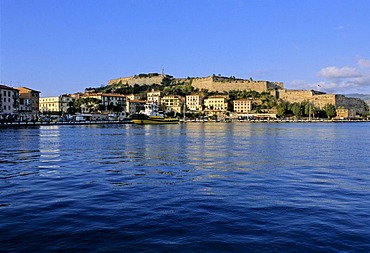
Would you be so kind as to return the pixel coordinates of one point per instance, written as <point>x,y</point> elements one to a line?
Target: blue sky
<point>64,46</point>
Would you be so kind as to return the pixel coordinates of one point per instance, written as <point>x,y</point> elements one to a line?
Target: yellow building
<point>242,105</point>
<point>216,103</point>
<point>55,104</point>
<point>154,96</point>
<point>29,102</point>
<point>194,102</point>
<point>343,113</point>
<point>173,103</point>
<point>49,104</point>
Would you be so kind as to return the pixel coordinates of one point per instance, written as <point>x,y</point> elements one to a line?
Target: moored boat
<point>152,115</point>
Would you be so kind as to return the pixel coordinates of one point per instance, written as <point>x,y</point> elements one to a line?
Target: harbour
<point>186,187</point>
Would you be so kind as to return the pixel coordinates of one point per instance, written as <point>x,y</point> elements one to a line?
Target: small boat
<point>152,115</point>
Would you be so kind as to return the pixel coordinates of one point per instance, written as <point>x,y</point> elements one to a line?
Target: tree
<point>297,110</point>
<point>330,111</point>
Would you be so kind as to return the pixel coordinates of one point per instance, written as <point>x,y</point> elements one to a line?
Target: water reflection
<point>49,146</point>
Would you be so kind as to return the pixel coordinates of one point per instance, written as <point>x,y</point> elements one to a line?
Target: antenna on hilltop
<point>162,69</point>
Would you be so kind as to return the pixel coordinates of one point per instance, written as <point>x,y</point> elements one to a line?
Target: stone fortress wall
<point>320,99</point>
<point>217,83</point>
<point>132,80</point>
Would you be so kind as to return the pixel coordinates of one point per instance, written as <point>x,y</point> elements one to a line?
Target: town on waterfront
<point>213,98</point>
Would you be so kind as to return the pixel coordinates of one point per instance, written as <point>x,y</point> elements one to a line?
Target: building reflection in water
<point>49,145</point>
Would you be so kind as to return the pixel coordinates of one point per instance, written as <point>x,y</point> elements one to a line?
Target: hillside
<point>365,97</point>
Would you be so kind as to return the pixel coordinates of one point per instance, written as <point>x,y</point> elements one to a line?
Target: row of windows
<point>9,93</point>
<point>113,98</point>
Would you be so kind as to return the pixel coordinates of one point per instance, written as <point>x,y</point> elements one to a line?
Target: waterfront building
<point>134,106</point>
<point>28,103</point>
<point>154,96</point>
<point>9,100</point>
<point>109,100</point>
<point>242,105</point>
<point>194,102</point>
<point>216,103</point>
<point>56,104</point>
<point>49,104</point>
<point>343,113</point>
<point>133,97</point>
<point>172,103</point>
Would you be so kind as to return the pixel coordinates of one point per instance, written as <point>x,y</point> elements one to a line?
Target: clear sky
<point>64,46</point>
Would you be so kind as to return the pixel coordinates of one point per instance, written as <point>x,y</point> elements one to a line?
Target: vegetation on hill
<point>261,102</point>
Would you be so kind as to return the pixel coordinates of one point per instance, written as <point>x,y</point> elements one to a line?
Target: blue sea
<point>196,187</point>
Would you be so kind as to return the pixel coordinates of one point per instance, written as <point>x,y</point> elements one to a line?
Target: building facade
<point>58,104</point>
<point>215,103</point>
<point>109,100</point>
<point>49,104</point>
<point>172,103</point>
<point>242,105</point>
<point>155,96</point>
<point>134,106</point>
<point>28,103</point>
<point>9,100</point>
<point>194,102</point>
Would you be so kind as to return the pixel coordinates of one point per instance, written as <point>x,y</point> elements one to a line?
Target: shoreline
<point>34,124</point>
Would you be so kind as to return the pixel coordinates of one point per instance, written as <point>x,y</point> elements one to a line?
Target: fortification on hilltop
<point>220,83</point>
<point>225,84</point>
<point>320,99</point>
<point>211,83</point>
<point>141,79</point>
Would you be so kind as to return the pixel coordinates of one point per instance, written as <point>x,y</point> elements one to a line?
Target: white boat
<point>152,115</point>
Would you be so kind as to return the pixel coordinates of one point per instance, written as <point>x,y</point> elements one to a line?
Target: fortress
<point>141,79</point>
<point>225,84</point>
<point>211,83</point>
<point>220,83</point>
<point>320,99</point>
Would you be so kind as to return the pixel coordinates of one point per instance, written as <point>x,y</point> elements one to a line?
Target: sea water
<point>197,187</point>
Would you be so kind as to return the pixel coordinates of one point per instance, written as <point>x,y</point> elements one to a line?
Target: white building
<point>108,100</point>
<point>9,100</point>
<point>134,106</point>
